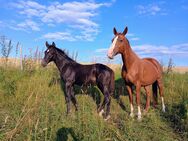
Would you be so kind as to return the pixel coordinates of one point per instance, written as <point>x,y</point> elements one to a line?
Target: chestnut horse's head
<point>118,43</point>
<point>48,54</point>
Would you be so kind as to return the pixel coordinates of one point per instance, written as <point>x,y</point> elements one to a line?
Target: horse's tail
<point>154,89</point>
<point>112,84</point>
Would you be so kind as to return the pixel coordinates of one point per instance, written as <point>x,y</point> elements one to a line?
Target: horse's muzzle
<point>43,63</point>
<point>110,56</point>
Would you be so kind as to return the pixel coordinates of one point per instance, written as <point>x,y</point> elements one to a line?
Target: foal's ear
<point>115,31</point>
<point>53,44</point>
<point>47,45</point>
<point>125,30</point>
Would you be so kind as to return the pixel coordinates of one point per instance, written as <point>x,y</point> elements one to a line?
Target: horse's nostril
<point>110,56</point>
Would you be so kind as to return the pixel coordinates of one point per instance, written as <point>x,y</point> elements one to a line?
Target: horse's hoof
<point>145,111</point>
<point>132,115</point>
<point>139,118</point>
<point>101,113</point>
<point>163,109</point>
<point>107,118</point>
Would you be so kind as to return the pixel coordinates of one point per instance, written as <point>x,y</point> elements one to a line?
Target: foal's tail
<point>154,89</point>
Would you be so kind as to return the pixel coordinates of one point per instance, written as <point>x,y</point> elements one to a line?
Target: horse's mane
<point>127,41</point>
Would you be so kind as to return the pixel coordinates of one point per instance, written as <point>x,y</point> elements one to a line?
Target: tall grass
<point>32,107</point>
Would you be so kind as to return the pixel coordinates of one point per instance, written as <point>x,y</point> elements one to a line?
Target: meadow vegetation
<point>32,107</point>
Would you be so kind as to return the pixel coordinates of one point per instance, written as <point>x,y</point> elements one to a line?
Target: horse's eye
<point>121,40</point>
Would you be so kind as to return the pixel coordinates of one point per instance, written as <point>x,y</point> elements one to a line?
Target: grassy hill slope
<point>32,107</point>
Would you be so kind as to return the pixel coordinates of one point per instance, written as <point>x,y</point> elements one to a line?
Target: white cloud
<point>150,9</point>
<point>26,25</point>
<point>147,50</point>
<point>73,15</point>
<point>101,50</point>
<point>134,39</point>
<point>59,36</point>
<point>154,50</point>
<point>87,35</point>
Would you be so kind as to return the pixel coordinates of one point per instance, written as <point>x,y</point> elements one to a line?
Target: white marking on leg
<point>139,113</point>
<point>101,112</point>
<point>107,118</point>
<point>163,105</point>
<point>111,49</point>
<point>132,109</point>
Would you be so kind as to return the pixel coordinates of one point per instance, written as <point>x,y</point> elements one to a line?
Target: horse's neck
<point>61,61</point>
<point>129,57</point>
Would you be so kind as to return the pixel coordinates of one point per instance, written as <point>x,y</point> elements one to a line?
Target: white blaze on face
<point>111,49</point>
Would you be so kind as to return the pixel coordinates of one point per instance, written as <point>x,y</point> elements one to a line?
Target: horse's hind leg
<point>160,85</point>
<point>106,101</point>
<point>154,89</point>
<point>147,89</point>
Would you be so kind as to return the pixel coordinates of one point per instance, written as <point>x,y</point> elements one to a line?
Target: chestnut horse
<point>138,72</point>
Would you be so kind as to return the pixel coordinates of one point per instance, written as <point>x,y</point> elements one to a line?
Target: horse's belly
<point>149,76</point>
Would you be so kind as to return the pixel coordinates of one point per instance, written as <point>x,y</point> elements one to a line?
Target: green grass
<point>32,107</point>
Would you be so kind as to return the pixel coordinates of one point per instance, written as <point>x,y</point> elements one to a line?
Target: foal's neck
<point>128,56</point>
<point>61,60</point>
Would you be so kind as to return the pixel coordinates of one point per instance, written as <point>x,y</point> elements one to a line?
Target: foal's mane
<point>66,56</point>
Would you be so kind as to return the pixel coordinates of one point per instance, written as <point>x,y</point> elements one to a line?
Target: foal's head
<point>118,43</point>
<point>49,54</point>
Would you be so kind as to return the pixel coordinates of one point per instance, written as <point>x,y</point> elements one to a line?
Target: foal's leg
<point>148,94</point>
<point>160,85</point>
<point>106,100</point>
<point>108,109</point>
<point>68,96</point>
<point>129,89</point>
<point>73,98</point>
<point>138,87</point>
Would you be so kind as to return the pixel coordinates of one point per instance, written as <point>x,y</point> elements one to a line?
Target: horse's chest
<point>129,77</point>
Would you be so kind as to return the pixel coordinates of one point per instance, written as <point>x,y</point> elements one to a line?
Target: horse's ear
<point>125,30</point>
<point>53,44</point>
<point>115,31</point>
<point>47,45</point>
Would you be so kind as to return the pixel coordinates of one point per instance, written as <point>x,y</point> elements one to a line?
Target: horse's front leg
<point>138,87</point>
<point>68,95</point>
<point>129,89</point>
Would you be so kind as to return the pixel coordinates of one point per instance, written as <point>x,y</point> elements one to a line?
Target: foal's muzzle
<point>43,63</point>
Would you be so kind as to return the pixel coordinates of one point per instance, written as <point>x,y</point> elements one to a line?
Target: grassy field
<point>32,108</point>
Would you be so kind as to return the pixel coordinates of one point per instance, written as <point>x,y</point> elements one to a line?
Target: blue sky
<point>156,28</point>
